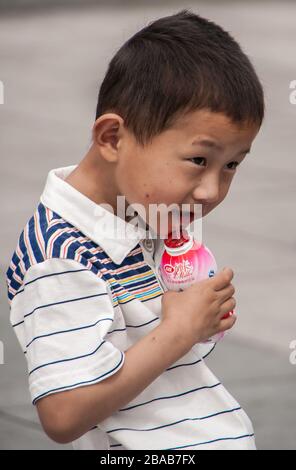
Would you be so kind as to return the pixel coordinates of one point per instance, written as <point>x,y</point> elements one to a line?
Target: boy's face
<point>193,162</point>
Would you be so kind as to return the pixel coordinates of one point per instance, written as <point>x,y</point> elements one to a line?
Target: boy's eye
<point>198,160</point>
<point>201,161</point>
<point>232,163</point>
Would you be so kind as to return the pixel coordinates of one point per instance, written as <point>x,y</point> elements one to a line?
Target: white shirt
<point>81,297</point>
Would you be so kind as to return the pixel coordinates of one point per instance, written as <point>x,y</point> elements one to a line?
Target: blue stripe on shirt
<point>53,390</point>
<point>176,422</point>
<point>68,331</point>
<point>68,359</point>
<point>209,442</point>
<point>49,275</point>
<point>33,241</point>
<point>58,303</point>
<point>168,397</point>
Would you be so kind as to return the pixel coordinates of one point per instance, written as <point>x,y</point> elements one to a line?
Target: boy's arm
<point>68,415</point>
<point>62,318</point>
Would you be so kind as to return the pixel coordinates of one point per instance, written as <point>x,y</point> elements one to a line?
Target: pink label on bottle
<point>179,272</point>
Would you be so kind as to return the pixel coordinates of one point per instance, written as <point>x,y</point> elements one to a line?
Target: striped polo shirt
<point>79,298</point>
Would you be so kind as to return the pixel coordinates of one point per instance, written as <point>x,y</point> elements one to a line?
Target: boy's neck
<point>93,178</point>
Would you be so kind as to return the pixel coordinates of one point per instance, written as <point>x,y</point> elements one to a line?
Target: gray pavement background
<point>51,64</point>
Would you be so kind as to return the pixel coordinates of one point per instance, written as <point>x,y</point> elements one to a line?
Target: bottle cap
<point>179,246</point>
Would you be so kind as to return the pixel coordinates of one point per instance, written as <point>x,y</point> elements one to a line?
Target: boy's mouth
<point>184,219</point>
<point>191,216</point>
<point>188,216</point>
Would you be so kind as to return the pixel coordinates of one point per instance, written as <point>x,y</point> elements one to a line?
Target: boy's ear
<point>107,134</point>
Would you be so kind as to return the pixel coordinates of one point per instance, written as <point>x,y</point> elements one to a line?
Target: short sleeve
<point>62,316</point>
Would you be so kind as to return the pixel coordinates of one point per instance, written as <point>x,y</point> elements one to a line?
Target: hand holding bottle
<point>201,310</point>
<point>185,262</point>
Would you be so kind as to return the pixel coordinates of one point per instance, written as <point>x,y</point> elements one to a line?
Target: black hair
<point>177,64</point>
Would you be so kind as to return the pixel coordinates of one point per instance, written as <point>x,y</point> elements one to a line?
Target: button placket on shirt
<point>148,250</point>
<point>149,254</point>
<point>149,245</point>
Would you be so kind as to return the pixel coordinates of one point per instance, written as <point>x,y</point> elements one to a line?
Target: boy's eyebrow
<point>212,144</point>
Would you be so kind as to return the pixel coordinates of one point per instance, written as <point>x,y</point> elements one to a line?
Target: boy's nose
<point>206,194</point>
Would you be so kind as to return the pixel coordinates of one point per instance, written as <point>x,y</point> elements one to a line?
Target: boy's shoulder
<point>48,236</point>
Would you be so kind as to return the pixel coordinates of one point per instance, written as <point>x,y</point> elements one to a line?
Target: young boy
<point>114,361</point>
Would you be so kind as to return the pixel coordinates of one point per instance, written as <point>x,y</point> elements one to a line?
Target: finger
<point>228,314</point>
<point>227,323</point>
<point>227,307</point>
<point>226,293</point>
<point>222,279</point>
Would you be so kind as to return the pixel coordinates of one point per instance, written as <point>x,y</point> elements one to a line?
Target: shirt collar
<point>95,221</point>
